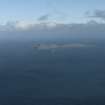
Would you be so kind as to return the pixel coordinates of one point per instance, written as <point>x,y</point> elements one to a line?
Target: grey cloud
<point>96,14</point>
<point>44,17</point>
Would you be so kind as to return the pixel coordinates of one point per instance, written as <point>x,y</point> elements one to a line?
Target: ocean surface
<point>63,76</point>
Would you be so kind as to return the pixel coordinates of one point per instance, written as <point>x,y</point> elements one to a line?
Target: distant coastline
<point>56,46</point>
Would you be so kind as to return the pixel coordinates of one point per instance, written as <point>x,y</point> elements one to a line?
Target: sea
<point>62,76</point>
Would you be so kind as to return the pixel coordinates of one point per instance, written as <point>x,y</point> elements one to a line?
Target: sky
<point>80,18</point>
<point>53,10</point>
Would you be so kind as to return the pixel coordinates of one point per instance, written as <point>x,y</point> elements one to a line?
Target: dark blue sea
<point>63,76</point>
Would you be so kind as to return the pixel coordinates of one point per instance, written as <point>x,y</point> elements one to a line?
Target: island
<point>56,46</point>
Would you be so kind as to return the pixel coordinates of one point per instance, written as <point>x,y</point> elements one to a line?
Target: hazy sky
<point>59,10</point>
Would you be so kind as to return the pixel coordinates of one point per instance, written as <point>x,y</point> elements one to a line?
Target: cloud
<point>23,25</point>
<point>96,14</point>
<point>89,30</point>
<point>44,17</point>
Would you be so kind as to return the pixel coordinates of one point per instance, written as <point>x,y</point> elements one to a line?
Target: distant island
<point>55,46</point>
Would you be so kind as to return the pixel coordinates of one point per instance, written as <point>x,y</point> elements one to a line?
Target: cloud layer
<point>90,29</point>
